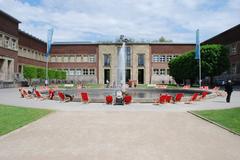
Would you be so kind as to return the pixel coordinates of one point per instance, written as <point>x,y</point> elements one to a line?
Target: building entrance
<point>106,75</point>
<point>128,75</point>
<point>140,76</point>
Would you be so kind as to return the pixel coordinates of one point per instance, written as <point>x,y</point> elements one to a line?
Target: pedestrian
<point>228,89</point>
<point>46,82</point>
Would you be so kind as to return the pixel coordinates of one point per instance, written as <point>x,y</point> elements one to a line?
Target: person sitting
<point>119,98</point>
<point>68,97</point>
<point>24,93</point>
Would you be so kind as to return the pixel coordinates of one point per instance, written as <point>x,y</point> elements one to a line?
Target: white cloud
<point>81,20</point>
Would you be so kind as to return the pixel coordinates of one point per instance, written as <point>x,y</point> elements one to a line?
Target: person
<point>107,82</point>
<point>119,98</point>
<point>68,97</point>
<point>228,89</point>
<point>46,82</point>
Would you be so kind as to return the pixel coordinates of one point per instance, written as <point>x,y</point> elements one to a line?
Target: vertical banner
<point>197,49</point>
<point>49,41</point>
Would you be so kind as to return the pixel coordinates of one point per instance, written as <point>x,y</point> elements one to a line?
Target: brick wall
<point>31,42</point>
<point>8,25</point>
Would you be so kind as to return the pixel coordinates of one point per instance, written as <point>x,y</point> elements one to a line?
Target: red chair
<point>168,98</point>
<point>51,94</point>
<point>109,99</point>
<point>38,94</point>
<point>193,98</point>
<point>178,97</point>
<point>127,99</point>
<point>162,99</point>
<point>61,96</point>
<point>85,97</point>
<point>204,94</point>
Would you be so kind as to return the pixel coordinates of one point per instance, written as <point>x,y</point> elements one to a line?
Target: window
<point>78,72</point>
<point>59,58</point>
<point>85,71</point>
<point>1,40</point>
<point>106,60</point>
<point>72,59</point>
<point>14,44</point>
<point>174,56</point>
<point>162,58</point>
<point>71,72</point>
<point>66,70</point>
<point>141,60</point>
<point>6,42</point>
<point>92,58</point>
<point>156,71</point>
<point>78,59</point>
<point>162,71</point>
<point>65,59</point>
<point>168,71</point>
<point>128,56</point>
<point>85,58</point>
<point>155,58</point>
<point>169,57</point>
<point>92,71</point>
<point>53,59</point>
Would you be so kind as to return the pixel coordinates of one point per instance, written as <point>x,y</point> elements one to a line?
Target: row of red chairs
<point>165,98</point>
<point>126,99</point>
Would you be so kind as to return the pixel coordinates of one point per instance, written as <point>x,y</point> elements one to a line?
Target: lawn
<point>12,117</point>
<point>229,118</point>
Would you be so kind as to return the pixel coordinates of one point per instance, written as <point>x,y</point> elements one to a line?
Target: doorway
<point>128,75</point>
<point>140,76</point>
<point>106,75</point>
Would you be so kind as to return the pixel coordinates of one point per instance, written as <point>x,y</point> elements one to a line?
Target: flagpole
<point>200,70</point>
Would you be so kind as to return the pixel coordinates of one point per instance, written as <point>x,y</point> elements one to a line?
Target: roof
<point>118,43</point>
<point>31,36</point>
<point>9,16</point>
<point>229,36</point>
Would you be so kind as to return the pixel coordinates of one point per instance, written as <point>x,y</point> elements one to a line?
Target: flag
<point>49,41</point>
<point>197,49</point>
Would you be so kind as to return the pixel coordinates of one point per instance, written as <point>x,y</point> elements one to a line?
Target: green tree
<point>41,73</point>
<point>214,60</point>
<point>29,72</point>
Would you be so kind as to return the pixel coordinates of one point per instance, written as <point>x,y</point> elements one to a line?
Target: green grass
<point>12,117</point>
<point>229,118</point>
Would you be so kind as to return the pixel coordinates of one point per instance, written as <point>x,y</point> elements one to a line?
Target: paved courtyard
<point>137,131</point>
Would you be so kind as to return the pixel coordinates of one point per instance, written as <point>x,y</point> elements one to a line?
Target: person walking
<point>228,89</point>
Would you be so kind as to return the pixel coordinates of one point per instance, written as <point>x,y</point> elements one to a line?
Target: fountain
<point>121,68</point>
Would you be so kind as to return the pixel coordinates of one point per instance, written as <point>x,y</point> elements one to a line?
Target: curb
<point>215,123</point>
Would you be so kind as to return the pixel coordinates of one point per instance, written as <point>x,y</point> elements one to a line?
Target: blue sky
<point>95,20</point>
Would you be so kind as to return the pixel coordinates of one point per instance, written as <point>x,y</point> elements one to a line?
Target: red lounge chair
<point>109,99</point>
<point>193,98</point>
<point>162,99</point>
<point>51,94</point>
<point>61,96</point>
<point>168,98</point>
<point>204,94</point>
<point>85,97</point>
<point>127,99</point>
<point>178,97</point>
<point>38,94</point>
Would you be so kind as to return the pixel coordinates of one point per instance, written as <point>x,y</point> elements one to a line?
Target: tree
<point>29,72</point>
<point>214,60</point>
<point>41,73</point>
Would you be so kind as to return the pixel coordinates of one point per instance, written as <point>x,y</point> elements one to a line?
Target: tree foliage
<point>214,61</point>
<point>29,72</point>
<point>32,72</point>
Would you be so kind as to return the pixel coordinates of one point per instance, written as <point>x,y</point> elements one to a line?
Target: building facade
<point>231,39</point>
<point>146,63</point>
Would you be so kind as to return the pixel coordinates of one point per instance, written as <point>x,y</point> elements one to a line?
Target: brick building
<point>89,62</point>
<point>231,39</point>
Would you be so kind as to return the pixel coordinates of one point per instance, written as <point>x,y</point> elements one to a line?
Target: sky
<point>106,20</point>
